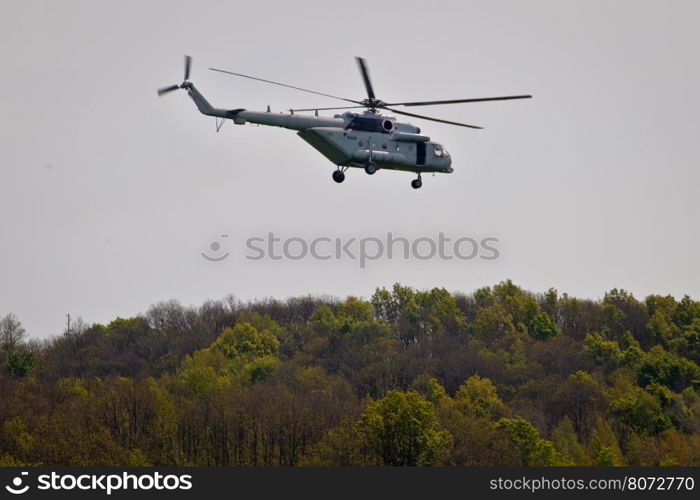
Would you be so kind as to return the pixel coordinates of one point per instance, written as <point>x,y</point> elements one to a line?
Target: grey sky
<point>109,194</point>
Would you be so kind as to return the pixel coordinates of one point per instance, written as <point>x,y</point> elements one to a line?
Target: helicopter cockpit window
<point>437,149</point>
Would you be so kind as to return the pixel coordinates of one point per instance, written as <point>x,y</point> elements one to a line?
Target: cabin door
<point>420,153</point>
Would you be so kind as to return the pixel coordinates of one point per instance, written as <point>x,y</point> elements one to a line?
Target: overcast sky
<point>109,195</point>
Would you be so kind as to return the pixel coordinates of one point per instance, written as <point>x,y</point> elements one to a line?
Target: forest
<point>502,376</point>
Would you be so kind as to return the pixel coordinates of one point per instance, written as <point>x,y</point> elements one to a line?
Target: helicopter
<point>368,139</point>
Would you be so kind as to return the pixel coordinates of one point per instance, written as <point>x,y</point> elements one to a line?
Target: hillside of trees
<point>499,377</point>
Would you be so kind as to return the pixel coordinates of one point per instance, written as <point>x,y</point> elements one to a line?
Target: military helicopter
<point>367,139</point>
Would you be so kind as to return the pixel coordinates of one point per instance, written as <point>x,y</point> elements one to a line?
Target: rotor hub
<point>373,103</point>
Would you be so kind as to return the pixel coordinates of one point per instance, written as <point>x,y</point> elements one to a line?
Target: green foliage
<point>622,312</point>
<point>542,327</point>
<point>402,429</point>
<point>567,444</point>
<point>240,355</point>
<point>199,377</point>
<point>633,353</point>
<point>7,460</point>
<point>418,316</point>
<point>603,352</point>
<point>660,366</point>
<point>244,341</point>
<point>642,412</point>
<point>551,303</point>
<point>662,328</point>
<point>481,396</point>
<point>687,312</point>
<point>608,456</point>
<point>17,436</point>
<point>610,353</point>
<point>502,377</point>
<point>355,310</point>
<point>19,363</point>
<point>391,305</point>
<point>533,450</point>
<point>71,388</point>
<point>260,369</point>
<point>657,304</point>
<point>440,312</point>
<point>581,399</point>
<point>604,447</point>
<point>492,322</point>
<point>261,322</point>
<point>340,447</point>
<point>675,325</point>
<point>484,297</point>
<point>429,388</point>
<point>324,320</point>
<point>520,305</point>
<point>126,325</point>
<point>687,343</point>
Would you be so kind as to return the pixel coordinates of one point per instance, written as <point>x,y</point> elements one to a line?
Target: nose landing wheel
<point>416,183</point>
<point>371,168</point>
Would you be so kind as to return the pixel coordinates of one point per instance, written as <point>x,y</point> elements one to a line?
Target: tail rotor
<point>166,90</point>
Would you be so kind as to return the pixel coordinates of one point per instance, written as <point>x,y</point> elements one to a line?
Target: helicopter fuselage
<point>349,139</point>
<point>370,137</point>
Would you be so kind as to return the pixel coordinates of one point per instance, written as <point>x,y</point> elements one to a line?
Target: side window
<point>437,150</point>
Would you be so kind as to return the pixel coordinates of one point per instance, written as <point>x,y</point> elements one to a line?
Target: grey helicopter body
<point>369,139</point>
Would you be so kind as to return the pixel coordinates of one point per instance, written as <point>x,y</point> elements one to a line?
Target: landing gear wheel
<point>371,168</point>
<point>416,183</point>
<point>338,176</point>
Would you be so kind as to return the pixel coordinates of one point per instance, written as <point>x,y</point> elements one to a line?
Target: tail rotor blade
<point>188,65</point>
<point>165,90</point>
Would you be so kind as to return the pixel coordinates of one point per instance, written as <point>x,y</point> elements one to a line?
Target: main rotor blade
<point>457,101</point>
<point>165,90</point>
<point>430,118</point>
<point>365,76</point>
<point>284,85</point>
<point>188,65</point>
<point>328,109</point>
